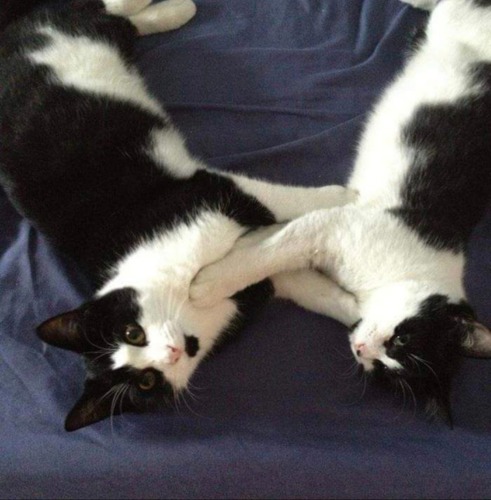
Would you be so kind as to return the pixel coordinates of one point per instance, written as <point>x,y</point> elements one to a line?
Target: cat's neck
<point>403,298</point>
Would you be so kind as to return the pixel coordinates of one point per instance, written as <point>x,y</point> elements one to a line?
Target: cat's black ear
<point>477,342</point>
<point>64,331</point>
<point>95,404</point>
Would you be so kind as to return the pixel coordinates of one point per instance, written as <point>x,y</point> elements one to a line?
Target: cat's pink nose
<point>360,349</point>
<point>175,353</point>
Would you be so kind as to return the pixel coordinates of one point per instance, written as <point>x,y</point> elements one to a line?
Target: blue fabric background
<point>279,89</point>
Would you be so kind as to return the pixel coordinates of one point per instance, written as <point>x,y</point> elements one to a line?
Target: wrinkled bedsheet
<point>278,89</point>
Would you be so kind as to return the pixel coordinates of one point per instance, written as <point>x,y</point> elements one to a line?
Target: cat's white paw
<point>126,7</point>
<point>164,16</point>
<point>210,286</point>
<point>422,4</point>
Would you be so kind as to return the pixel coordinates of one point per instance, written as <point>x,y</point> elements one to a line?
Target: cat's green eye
<point>135,335</point>
<point>147,381</point>
<point>401,340</point>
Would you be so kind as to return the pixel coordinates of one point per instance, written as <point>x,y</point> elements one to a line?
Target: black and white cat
<point>93,160</point>
<point>396,256</point>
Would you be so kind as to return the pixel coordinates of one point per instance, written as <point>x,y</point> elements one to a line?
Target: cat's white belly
<point>431,78</point>
<point>365,234</point>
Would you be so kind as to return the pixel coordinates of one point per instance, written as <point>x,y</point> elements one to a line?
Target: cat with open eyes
<point>396,257</point>
<point>94,162</point>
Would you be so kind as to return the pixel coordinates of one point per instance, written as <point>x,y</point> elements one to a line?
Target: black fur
<point>192,345</point>
<point>72,164</point>
<point>448,188</point>
<point>121,193</point>
<point>13,10</point>
<point>429,352</point>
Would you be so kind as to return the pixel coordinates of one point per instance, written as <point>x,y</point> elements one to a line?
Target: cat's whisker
<point>118,392</point>
<point>351,371</point>
<point>188,405</point>
<point>427,365</point>
<point>98,347</point>
<point>179,309</point>
<point>411,392</point>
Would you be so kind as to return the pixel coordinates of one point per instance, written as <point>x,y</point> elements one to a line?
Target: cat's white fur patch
<point>93,67</point>
<point>161,270</point>
<point>164,16</point>
<point>125,7</point>
<point>168,149</point>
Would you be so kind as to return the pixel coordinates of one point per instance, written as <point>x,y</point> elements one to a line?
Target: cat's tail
<point>13,10</point>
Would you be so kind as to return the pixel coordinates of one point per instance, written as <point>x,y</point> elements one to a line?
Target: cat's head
<point>417,346</point>
<point>136,359</point>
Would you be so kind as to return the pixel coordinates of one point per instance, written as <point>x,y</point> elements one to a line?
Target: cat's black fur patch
<point>116,392</point>
<point>447,189</point>
<point>191,345</point>
<point>73,163</point>
<point>121,193</point>
<point>430,356</point>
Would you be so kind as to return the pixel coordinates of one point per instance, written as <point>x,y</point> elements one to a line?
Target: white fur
<point>304,199</point>
<point>161,268</point>
<point>366,251</point>
<point>422,4</point>
<point>93,67</point>
<point>125,7</point>
<point>168,149</point>
<point>164,16</point>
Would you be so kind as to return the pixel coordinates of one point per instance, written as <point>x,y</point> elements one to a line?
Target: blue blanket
<point>278,89</point>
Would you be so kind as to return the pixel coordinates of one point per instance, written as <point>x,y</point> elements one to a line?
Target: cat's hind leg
<point>289,202</point>
<point>295,246</point>
<point>125,8</point>
<point>163,16</point>
<point>422,4</point>
<point>309,289</point>
<point>316,292</point>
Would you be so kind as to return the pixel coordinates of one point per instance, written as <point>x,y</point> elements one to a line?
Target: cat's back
<point>425,152</point>
<point>75,119</point>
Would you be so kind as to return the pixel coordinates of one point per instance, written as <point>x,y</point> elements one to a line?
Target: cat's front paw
<point>210,287</point>
<point>422,4</point>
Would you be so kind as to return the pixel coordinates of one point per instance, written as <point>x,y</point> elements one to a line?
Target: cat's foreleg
<point>289,202</point>
<point>318,293</point>
<point>309,289</point>
<point>301,244</point>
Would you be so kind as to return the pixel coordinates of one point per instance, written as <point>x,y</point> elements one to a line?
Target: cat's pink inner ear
<point>478,343</point>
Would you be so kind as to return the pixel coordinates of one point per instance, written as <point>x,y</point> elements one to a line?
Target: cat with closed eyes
<point>95,163</point>
<point>396,257</point>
